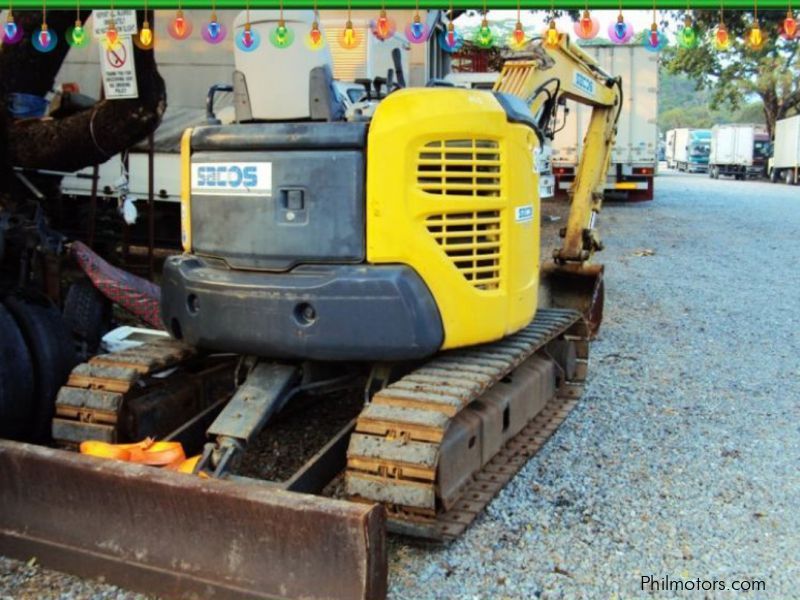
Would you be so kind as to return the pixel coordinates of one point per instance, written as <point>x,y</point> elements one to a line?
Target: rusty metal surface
<point>421,443</point>
<point>180,536</point>
<point>579,286</point>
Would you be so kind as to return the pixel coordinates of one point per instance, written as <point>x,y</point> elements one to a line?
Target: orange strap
<point>146,452</point>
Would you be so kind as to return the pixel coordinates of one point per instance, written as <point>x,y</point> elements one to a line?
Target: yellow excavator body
<point>453,193</point>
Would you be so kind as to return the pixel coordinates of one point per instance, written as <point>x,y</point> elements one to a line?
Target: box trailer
<point>634,158</point>
<point>688,149</point>
<point>739,151</point>
<point>785,162</point>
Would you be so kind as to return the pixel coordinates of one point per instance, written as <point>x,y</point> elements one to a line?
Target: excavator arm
<point>543,82</point>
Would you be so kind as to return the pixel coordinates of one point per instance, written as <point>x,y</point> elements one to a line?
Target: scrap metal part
<point>181,536</point>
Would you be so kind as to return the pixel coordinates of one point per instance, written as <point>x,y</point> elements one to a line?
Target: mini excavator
<point>405,246</point>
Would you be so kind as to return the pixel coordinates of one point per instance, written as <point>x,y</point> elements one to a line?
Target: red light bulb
<point>519,33</point>
<point>789,30</point>
<point>586,23</point>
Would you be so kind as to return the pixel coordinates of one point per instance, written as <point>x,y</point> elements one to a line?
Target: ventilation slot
<point>459,168</point>
<point>471,240</point>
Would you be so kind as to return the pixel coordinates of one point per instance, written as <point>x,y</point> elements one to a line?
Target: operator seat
<point>283,84</point>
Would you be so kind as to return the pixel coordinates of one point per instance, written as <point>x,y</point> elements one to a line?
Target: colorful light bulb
<point>383,27</point>
<point>180,27</point>
<point>112,36</point>
<point>721,40</point>
<point>315,40</point>
<point>587,26</point>
<point>349,38</point>
<point>214,32</point>
<point>620,32</point>
<point>281,36</point>
<point>755,37</point>
<point>654,40</point>
<point>11,33</point>
<point>484,38</point>
<point>248,39</point>
<point>551,35</point>
<point>145,38</point>
<point>417,31</point>
<point>76,35</point>
<point>687,35</point>
<point>789,26</point>
<point>43,39</point>
<point>517,39</point>
<point>450,40</point>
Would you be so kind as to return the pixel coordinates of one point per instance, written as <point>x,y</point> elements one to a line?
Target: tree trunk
<point>82,139</point>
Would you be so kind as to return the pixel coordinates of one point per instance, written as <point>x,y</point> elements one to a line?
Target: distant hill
<point>681,105</point>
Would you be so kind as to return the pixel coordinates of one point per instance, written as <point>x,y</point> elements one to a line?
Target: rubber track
<point>396,442</point>
<point>90,405</point>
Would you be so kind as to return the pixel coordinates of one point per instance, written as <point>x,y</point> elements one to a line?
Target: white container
<point>634,157</point>
<point>786,151</point>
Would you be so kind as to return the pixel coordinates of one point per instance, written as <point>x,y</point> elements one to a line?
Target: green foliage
<point>681,104</point>
<point>734,77</point>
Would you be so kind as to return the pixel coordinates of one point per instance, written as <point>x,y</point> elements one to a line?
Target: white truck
<point>688,149</point>
<point>740,151</point>
<point>634,158</point>
<point>785,162</point>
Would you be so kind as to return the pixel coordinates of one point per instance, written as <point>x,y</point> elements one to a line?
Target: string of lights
<point>384,28</point>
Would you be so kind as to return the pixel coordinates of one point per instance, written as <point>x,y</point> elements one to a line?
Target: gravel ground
<point>683,458</point>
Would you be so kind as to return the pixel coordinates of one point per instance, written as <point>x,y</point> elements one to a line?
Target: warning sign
<point>119,71</point>
<point>124,21</point>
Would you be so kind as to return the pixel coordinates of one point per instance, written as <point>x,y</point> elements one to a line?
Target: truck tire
<point>87,314</point>
<point>16,381</point>
<point>773,176</point>
<point>52,352</point>
<point>788,177</point>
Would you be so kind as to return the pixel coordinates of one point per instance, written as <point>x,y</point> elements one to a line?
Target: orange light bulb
<point>112,37</point>
<point>519,33</point>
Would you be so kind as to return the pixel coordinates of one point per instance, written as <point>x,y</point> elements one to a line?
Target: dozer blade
<point>181,536</point>
<point>578,286</point>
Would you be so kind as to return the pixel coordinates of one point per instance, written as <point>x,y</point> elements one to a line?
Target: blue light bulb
<point>417,29</point>
<point>213,29</point>
<point>10,29</point>
<point>621,29</point>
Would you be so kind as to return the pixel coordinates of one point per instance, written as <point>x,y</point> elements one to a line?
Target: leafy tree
<point>681,104</point>
<point>736,76</point>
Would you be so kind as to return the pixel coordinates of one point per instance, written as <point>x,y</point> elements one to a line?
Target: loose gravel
<point>682,459</point>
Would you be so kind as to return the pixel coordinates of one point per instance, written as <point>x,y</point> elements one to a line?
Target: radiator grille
<point>472,241</point>
<point>459,168</point>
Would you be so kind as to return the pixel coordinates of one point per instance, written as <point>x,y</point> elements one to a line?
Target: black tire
<point>87,314</point>
<point>16,381</point>
<point>52,351</point>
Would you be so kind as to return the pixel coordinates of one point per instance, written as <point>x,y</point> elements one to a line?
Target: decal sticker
<point>232,179</point>
<point>524,213</point>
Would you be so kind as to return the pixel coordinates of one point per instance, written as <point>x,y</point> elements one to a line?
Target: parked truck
<point>688,149</point>
<point>740,151</point>
<point>785,162</point>
<point>634,158</point>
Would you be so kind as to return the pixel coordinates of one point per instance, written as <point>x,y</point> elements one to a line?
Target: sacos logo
<point>232,178</point>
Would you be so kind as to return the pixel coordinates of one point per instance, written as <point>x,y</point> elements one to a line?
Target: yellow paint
<point>581,80</point>
<point>186,190</point>
<point>625,185</point>
<point>456,176</point>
